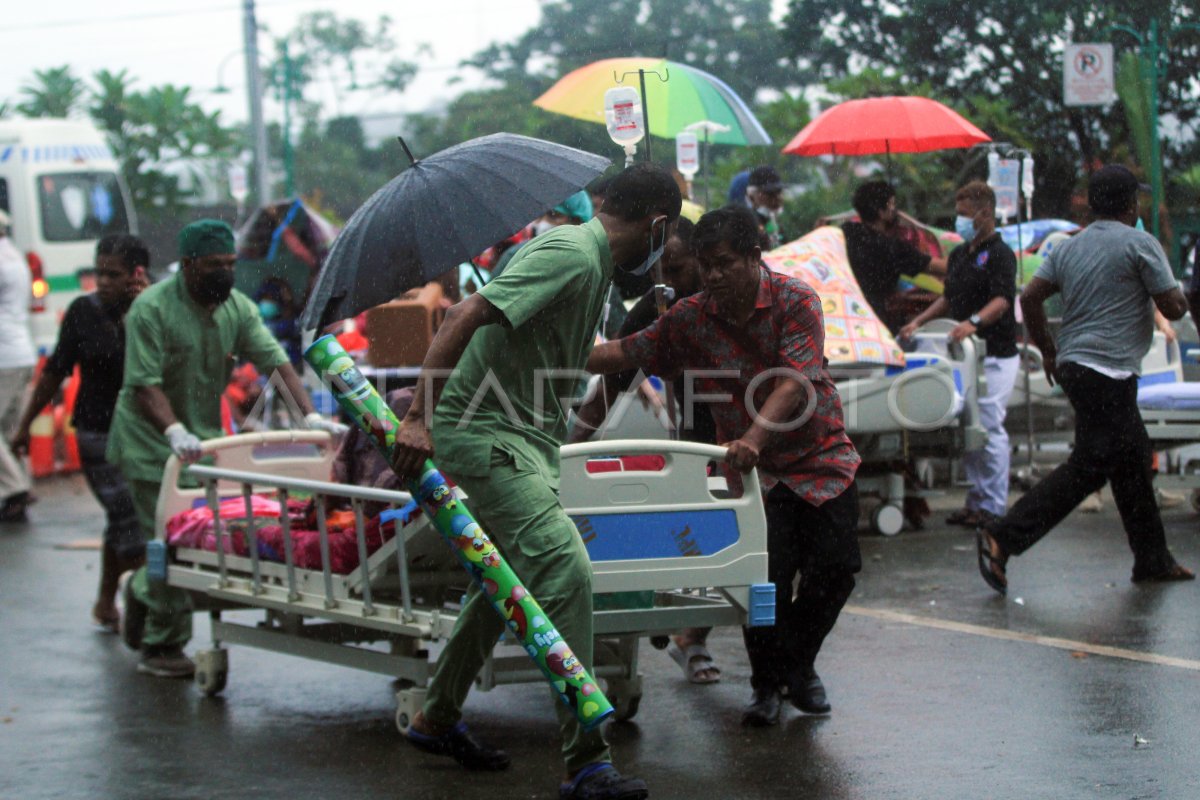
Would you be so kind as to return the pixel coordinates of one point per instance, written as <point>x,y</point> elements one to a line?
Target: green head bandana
<point>206,237</point>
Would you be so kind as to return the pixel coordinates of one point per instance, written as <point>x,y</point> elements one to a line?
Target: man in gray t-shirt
<point>1108,276</point>
<point>1112,277</point>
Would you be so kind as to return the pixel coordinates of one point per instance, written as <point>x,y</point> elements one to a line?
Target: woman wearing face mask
<point>981,284</point>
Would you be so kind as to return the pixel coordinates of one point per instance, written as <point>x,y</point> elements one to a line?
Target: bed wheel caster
<point>212,670</point>
<point>626,697</point>
<point>888,520</point>
<point>409,701</point>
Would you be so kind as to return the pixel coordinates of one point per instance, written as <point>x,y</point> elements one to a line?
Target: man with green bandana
<point>182,337</point>
<point>514,348</point>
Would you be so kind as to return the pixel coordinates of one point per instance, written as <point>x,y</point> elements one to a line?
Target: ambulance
<point>62,190</point>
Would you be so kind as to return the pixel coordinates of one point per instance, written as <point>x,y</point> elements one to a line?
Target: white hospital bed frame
<point>926,411</point>
<point>389,613</point>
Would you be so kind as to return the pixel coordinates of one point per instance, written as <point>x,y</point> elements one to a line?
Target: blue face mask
<point>655,252</point>
<point>269,309</point>
<point>965,227</point>
<point>1139,224</point>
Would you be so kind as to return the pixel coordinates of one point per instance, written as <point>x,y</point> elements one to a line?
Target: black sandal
<point>989,563</point>
<point>967,517</point>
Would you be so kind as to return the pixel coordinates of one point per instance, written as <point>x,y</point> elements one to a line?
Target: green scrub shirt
<point>173,342</point>
<point>551,296</point>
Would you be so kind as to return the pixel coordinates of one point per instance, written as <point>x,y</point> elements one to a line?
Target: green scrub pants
<point>523,517</point>
<point>168,609</point>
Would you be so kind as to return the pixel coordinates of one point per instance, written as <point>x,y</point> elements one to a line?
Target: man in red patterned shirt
<point>752,345</point>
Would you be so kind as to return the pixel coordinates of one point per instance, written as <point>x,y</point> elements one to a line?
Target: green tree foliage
<point>734,39</point>
<point>344,54</point>
<point>53,92</point>
<point>336,168</point>
<point>977,52</point>
<point>154,132</point>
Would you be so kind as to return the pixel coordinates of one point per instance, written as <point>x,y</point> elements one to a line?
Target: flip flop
<point>986,560</point>
<point>693,660</point>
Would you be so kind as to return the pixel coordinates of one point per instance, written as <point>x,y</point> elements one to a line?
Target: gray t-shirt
<point>1107,274</point>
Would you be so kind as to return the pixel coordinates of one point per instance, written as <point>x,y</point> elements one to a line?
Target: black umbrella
<point>440,212</point>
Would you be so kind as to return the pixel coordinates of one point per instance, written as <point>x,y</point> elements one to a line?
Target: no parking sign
<point>1088,75</point>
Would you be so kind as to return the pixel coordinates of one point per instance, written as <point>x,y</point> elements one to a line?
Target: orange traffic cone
<point>70,461</point>
<point>41,444</point>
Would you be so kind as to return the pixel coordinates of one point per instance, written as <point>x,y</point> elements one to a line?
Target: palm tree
<point>53,92</point>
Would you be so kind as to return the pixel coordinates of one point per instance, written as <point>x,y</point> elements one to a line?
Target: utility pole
<point>254,89</point>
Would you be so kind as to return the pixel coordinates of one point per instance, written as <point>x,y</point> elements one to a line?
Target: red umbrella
<point>885,125</point>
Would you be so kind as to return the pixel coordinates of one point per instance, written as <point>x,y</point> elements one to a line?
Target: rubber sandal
<point>986,561</point>
<point>601,781</point>
<point>693,660</point>
<point>1176,572</point>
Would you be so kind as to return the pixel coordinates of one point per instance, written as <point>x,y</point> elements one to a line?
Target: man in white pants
<point>17,358</point>
<point>981,284</point>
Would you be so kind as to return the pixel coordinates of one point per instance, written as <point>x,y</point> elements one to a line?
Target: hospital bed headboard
<point>292,454</point>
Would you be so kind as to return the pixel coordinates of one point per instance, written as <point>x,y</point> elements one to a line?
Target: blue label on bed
<point>667,534</point>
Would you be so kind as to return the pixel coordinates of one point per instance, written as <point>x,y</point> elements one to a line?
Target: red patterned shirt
<point>785,333</point>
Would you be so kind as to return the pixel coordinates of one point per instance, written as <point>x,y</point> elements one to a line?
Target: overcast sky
<point>198,42</point>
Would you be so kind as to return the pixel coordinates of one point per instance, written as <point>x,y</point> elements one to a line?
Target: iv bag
<point>687,154</point>
<point>623,114</point>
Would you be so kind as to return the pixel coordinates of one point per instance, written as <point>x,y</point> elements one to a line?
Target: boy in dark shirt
<point>93,336</point>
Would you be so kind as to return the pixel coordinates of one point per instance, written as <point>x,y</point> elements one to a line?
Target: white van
<point>61,187</point>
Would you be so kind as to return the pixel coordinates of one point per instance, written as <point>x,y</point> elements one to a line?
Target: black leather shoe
<point>763,709</point>
<point>808,695</point>
<point>460,745</point>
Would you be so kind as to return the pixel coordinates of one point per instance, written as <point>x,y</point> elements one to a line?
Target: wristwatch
<point>975,320</point>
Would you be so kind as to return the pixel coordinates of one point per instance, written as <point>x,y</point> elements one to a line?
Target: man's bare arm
<point>295,386</point>
<point>779,409</point>
<point>1171,304</point>
<point>608,358</point>
<point>1036,293</point>
<point>153,402</point>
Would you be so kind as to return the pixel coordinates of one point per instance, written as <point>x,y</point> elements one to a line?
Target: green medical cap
<point>206,237</point>
<point>578,205</point>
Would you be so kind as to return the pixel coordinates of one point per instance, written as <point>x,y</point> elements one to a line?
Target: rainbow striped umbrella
<point>687,95</point>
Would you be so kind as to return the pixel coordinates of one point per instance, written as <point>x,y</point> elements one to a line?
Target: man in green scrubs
<point>515,347</point>
<point>182,337</point>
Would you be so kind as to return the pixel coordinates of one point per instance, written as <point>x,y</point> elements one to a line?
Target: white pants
<point>987,469</point>
<point>13,384</point>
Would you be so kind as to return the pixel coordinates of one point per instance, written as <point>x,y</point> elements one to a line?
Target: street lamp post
<point>258,129</point>
<point>1149,68</point>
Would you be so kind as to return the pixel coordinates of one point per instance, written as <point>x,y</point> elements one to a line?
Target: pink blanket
<point>194,529</point>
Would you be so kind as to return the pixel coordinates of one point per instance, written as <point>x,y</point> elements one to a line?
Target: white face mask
<point>763,211</point>
<point>655,252</point>
<point>541,226</point>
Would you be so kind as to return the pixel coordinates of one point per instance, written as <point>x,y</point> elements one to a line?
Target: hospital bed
<point>1049,419</point>
<point>928,408</point>
<point>672,547</point>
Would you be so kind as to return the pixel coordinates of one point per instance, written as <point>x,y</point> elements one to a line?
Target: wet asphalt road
<point>940,688</point>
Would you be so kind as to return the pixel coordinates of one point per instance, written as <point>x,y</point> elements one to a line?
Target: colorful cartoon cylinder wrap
<point>520,611</point>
